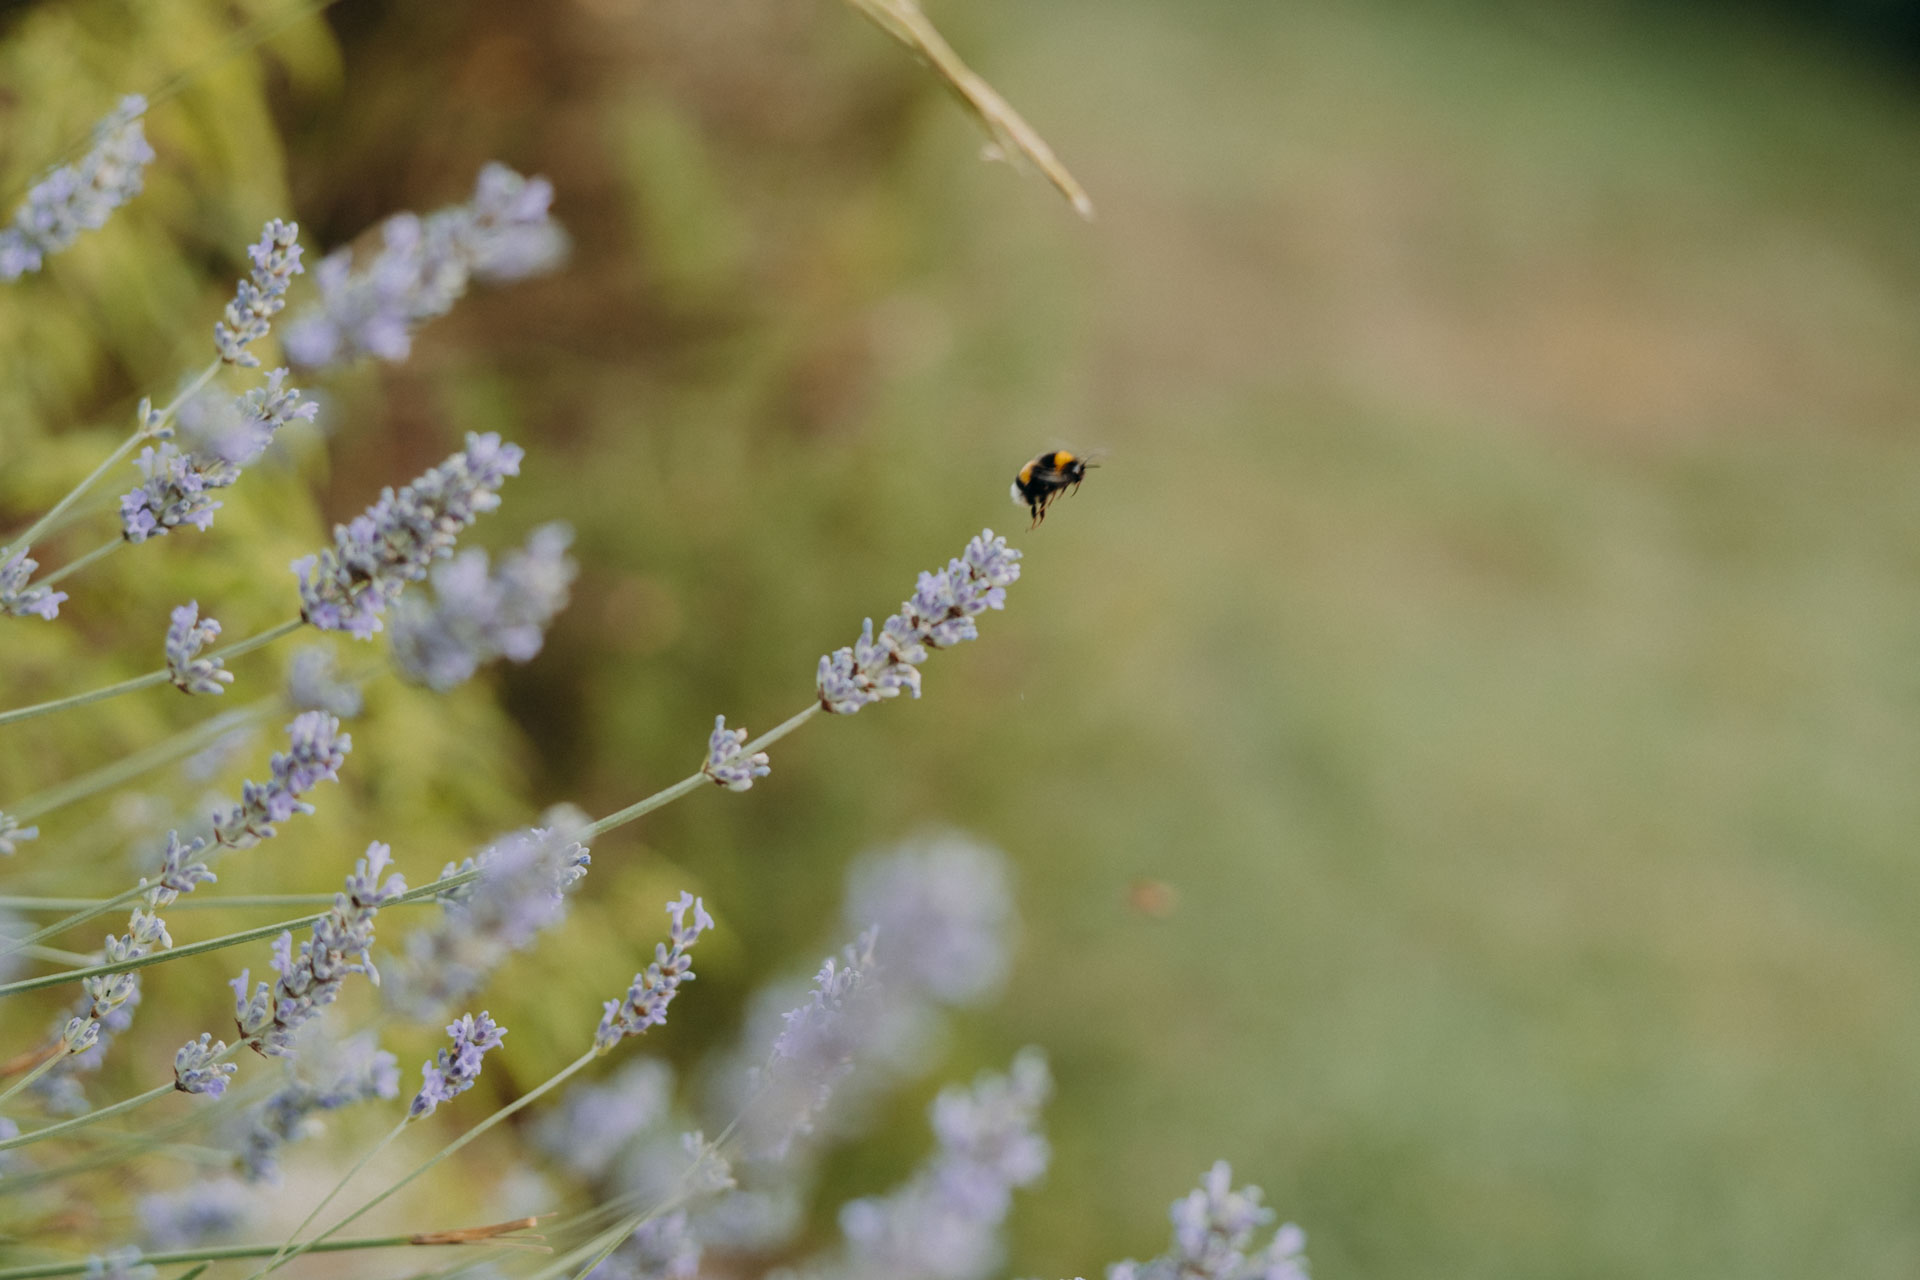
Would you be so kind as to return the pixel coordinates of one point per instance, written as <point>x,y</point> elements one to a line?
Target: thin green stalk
<point>92,1117</point>
<point>274,1262</point>
<point>227,1253</point>
<point>149,680</point>
<point>18,902</point>
<point>100,552</point>
<point>691,784</point>
<point>225,940</point>
<point>93,912</point>
<point>33,1075</point>
<point>552,1082</point>
<point>107,464</point>
<point>130,767</point>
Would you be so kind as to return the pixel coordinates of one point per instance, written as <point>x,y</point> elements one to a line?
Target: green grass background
<point>1495,620</point>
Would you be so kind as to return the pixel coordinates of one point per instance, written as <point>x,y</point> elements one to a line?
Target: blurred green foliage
<point>1459,750</point>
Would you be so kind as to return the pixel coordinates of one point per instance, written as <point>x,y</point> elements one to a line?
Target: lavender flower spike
<point>316,750</point>
<point>261,294</point>
<point>727,763</point>
<point>197,1069</point>
<point>221,435</point>
<point>475,617</point>
<point>120,1264</point>
<point>20,599</point>
<point>939,615</point>
<point>453,1072</point>
<point>654,987</point>
<point>424,266</point>
<point>12,834</point>
<point>329,1074</point>
<point>79,197</point>
<point>350,584</point>
<point>1213,1232</point>
<point>189,634</point>
<point>342,945</point>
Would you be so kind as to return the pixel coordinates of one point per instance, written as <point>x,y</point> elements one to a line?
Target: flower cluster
<point>819,1043</point>
<point>453,1072</point>
<point>943,905</point>
<point>938,615</point>
<point>944,1224</point>
<point>186,636</point>
<point>350,584</point>
<point>424,266</point>
<point>728,764</point>
<point>12,834</point>
<point>21,599</point>
<point>338,1075</point>
<point>198,1066</point>
<point>653,989</point>
<point>475,617</point>
<point>596,1121</point>
<point>521,890</point>
<point>261,293</point>
<point>119,1264</point>
<point>315,751</point>
<point>313,685</point>
<point>197,1213</point>
<point>342,945</point>
<point>79,197</point>
<point>662,1248</point>
<point>223,434</point>
<point>1213,1232</point>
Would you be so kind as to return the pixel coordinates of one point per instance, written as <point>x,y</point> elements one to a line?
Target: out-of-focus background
<point>1459,753</point>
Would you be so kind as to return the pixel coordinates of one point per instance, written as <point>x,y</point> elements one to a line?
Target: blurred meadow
<point>1459,751</point>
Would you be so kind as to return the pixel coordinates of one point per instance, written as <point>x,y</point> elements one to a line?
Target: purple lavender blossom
<point>314,685</point>
<point>261,294</point>
<point>653,989</point>
<point>332,1075</point>
<point>728,764</point>
<point>454,1071</point>
<point>12,834</point>
<point>939,615</point>
<point>197,1068</point>
<point>588,1131</point>
<point>945,913</point>
<point>342,945</point>
<point>423,267</point>
<point>204,1212</point>
<point>186,636</point>
<point>22,600</point>
<point>474,618</point>
<point>662,1248</point>
<point>521,890</point>
<point>79,197</point>
<point>1213,1230</point>
<point>222,435</point>
<point>316,750</point>
<point>944,1224</point>
<point>350,584</point>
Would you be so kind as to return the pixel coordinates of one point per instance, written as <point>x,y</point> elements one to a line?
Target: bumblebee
<point>1046,478</point>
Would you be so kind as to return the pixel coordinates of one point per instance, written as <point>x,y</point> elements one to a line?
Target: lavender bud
<point>20,599</point>
<point>454,1072</point>
<point>177,875</point>
<point>12,834</point>
<point>79,197</point>
<point>195,1069</point>
<point>653,989</point>
<point>316,750</point>
<point>727,764</point>
<point>221,434</point>
<point>198,1213</point>
<point>313,686</point>
<point>939,614</point>
<point>349,585</point>
<point>187,635</point>
<point>261,294</point>
<point>423,267</point>
<point>342,945</point>
<point>474,618</point>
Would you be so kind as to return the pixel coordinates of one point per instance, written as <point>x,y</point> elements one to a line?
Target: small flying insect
<point>1046,478</point>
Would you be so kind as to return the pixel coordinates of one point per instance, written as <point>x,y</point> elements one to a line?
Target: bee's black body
<point>1046,478</point>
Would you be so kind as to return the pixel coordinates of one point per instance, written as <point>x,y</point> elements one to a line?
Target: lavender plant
<point>646,1192</point>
